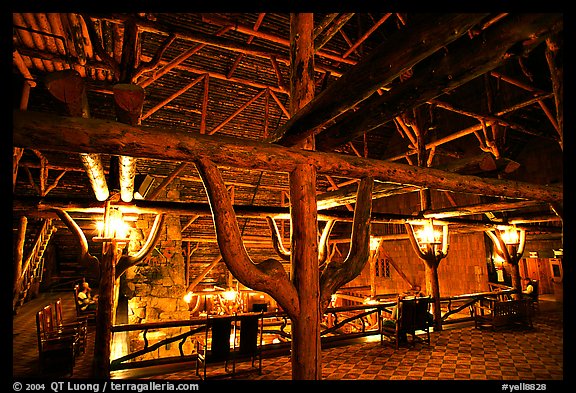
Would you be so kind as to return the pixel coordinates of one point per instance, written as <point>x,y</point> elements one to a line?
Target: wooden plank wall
<point>463,271</point>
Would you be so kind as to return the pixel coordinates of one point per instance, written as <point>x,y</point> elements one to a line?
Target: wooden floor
<point>462,353</point>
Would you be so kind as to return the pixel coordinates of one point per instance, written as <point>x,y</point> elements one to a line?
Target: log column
<point>431,260</point>
<point>306,351</point>
<point>511,253</point>
<point>431,254</point>
<point>104,316</point>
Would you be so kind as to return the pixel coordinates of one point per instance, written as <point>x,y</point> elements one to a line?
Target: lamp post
<point>112,234</point>
<point>510,241</point>
<point>429,240</point>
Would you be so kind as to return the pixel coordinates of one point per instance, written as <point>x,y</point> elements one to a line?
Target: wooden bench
<point>495,314</point>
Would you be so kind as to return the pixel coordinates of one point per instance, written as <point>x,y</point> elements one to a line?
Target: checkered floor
<point>454,354</point>
<point>463,353</point>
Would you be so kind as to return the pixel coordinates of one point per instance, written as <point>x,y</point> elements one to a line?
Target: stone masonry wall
<point>156,287</point>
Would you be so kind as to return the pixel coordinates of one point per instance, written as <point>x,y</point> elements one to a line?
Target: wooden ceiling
<point>480,92</point>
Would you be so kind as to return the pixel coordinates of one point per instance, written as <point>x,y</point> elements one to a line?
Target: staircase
<point>33,262</point>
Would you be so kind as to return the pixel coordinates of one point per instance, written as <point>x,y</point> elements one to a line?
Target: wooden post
<point>306,350</point>
<point>18,257</point>
<point>511,254</point>
<point>103,331</point>
<point>431,261</point>
<point>104,317</point>
<point>432,257</point>
<point>306,354</point>
<point>433,287</point>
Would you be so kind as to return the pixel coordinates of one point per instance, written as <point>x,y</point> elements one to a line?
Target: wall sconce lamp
<point>430,238</point>
<point>142,185</point>
<point>558,253</point>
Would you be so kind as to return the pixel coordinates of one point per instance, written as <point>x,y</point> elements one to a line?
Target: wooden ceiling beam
<point>241,28</point>
<point>233,46</point>
<point>86,211</point>
<point>484,117</point>
<point>477,127</point>
<point>466,60</point>
<point>484,162</point>
<point>366,35</point>
<point>479,208</point>
<point>166,179</point>
<point>331,31</point>
<point>47,131</point>
<point>323,24</point>
<point>379,68</point>
<point>167,67</point>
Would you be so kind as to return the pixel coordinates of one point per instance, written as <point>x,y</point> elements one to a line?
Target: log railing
<point>338,324</point>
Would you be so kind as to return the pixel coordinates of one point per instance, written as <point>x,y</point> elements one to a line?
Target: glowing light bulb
<point>188,297</point>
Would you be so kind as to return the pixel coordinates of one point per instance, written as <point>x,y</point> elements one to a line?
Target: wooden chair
<point>214,347</point>
<point>89,314</point>
<point>250,344</point>
<point>54,350</point>
<point>412,316</point>
<point>231,339</point>
<point>79,326</point>
<point>52,330</point>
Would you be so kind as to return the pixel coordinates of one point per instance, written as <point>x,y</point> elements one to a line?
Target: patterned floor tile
<point>463,353</point>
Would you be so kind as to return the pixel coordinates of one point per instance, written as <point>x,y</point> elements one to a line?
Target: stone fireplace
<point>155,288</point>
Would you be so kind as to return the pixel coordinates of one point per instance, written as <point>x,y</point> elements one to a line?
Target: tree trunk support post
<point>306,349</point>
<point>432,257</point>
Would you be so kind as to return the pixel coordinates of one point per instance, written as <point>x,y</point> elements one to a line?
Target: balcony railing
<point>338,324</point>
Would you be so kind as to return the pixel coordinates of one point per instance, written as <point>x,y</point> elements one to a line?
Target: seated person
<point>529,290</point>
<point>415,291</point>
<point>391,321</point>
<point>419,293</point>
<point>86,300</point>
